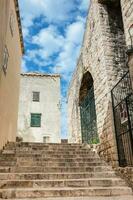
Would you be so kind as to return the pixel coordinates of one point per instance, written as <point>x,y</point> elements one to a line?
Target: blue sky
<point>53,32</point>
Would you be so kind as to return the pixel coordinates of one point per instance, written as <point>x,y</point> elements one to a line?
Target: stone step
<point>54,145</point>
<point>125,197</point>
<point>55,169</point>
<point>76,156</point>
<point>45,150</point>
<point>106,182</point>
<point>51,159</point>
<point>64,192</point>
<point>49,144</point>
<point>49,176</point>
<point>69,148</point>
<point>74,152</point>
<point>54,164</point>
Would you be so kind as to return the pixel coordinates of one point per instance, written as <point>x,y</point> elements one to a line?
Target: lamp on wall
<point>130,31</point>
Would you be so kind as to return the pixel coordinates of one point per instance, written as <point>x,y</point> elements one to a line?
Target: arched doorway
<point>88,110</point>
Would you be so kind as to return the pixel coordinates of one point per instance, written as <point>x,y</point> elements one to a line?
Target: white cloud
<point>38,57</point>
<point>66,59</point>
<point>30,10</point>
<point>49,40</point>
<point>75,32</point>
<point>84,4</point>
<point>58,10</point>
<point>25,32</point>
<point>53,11</point>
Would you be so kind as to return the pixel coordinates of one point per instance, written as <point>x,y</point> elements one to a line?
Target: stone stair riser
<point>25,159</point>
<point>61,183</point>
<point>54,164</point>
<point>50,153</point>
<point>64,193</point>
<point>47,176</point>
<point>58,155</point>
<point>40,147</point>
<point>45,148</point>
<point>54,169</point>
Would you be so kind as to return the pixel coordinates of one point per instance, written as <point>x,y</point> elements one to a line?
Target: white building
<point>39,108</point>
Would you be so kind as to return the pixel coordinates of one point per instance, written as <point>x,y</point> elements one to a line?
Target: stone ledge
<point>85,198</point>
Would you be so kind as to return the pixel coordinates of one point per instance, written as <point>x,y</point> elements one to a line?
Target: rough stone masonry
<point>103,55</point>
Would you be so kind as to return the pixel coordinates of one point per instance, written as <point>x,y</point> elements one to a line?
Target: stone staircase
<point>35,170</point>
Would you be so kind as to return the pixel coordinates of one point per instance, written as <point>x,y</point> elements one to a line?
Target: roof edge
<point>19,25</point>
<point>40,75</point>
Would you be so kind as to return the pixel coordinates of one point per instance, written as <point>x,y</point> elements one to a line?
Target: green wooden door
<point>88,119</point>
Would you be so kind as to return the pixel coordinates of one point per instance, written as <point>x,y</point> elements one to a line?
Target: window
<point>35,120</point>
<point>12,21</point>
<point>36,96</point>
<point>5,59</point>
<point>123,113</point>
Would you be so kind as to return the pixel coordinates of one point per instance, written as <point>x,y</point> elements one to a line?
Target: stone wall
<point>127,12</point>
<point>103,55</point>
<point>74,128</point>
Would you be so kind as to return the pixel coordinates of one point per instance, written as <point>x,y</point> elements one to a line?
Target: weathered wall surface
<point>4,17</point>
<point>127,12</point>
<point>74,127</point>
<point>103,55</point>
<point>9,82</point>
<point>48,106</point>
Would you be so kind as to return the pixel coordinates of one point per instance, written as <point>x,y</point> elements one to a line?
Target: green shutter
<point>35,120</point>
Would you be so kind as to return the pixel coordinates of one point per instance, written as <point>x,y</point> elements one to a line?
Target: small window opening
<point>36,96</point>
<point>11,23</point>
<point>5,59</point>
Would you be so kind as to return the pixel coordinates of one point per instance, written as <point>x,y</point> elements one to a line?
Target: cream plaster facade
<point>49,106</point>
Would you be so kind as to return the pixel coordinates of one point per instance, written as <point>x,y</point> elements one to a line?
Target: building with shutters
<point>11,50</point>
<point>39,108</point>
